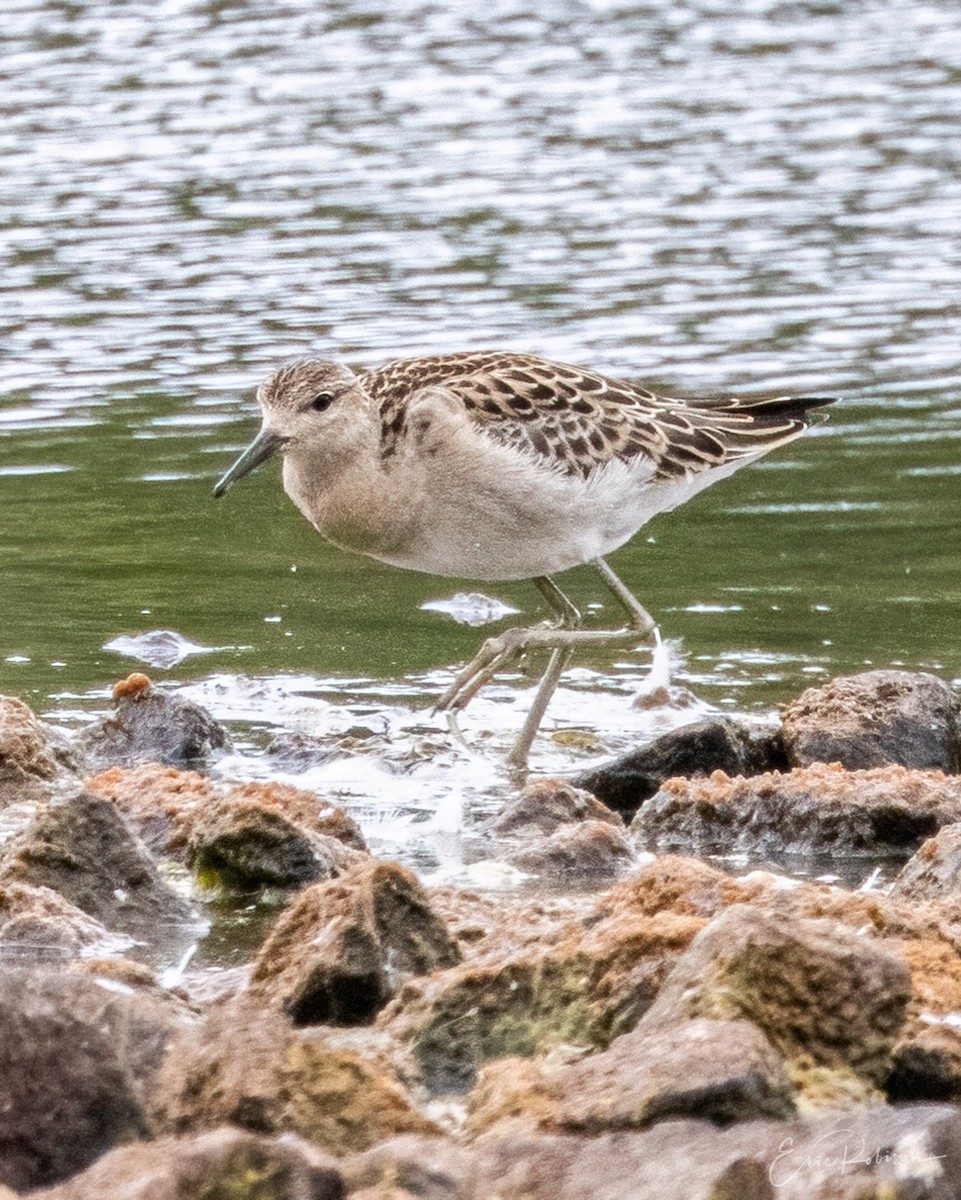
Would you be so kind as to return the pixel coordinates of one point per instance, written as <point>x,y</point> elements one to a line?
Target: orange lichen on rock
<point>134,687</point>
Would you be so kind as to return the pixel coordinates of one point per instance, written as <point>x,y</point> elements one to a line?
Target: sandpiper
<point>495,466</point>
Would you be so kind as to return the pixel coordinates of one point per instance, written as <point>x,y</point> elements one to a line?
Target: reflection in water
<point>711,196</point>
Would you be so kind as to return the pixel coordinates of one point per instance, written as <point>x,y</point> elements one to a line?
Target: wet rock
<point>32,753</point>
<point>718,744</point>
<point>563,832</point>
<point>166,805</point>
<point>935,869</point>
<point>818,990</point>
<point>76,1060</point>
<point>720,1071</point>
<point>39,925</point>
<point>593,850</point>
<point>240,845</point>
<point>296,751</point>
<point>810,810</point>
<point>151,726</point>
<point>245,1065</point>
<point>82,848</point>
<point>547,805</point>
<point>927,1058</point>
<point>876,718</point>
<point>905,1154</point>
<point>220,1164</point>
<point>160,803</point>
<point>671,883</point>
<point>340,949</point>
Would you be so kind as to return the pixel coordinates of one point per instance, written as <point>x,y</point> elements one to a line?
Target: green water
<point>707,201</point>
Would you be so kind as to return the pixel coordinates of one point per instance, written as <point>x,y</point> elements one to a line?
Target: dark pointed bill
<point>260,449</point>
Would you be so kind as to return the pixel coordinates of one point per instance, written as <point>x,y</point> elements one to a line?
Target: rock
<point>82,848</point>
<point>720,1071</point>
<point>718,744</point>
<point>584,987</point>
<point>39,925</point>
<point>810,810</point>
<point>151,726</point>
<point>817,989</point>
<point>593,850</point>
<point>547,805</point>
<point>876,718</point>
<point>564,833</point>
<point>165,805</point>
<point>340,949</point>
<point>935,869</point>
<point>161,803</point>
<point>239,845</point>
<point>30,750</point>
<point>927,1065</point>
<point>295,751</point>
<point>213,1166</point>
<point>76,1060</point>
<point>245,1065</point>
<point>902,1154</point>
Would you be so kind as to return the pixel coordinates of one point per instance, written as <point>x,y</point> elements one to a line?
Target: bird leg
<point>562,638</point>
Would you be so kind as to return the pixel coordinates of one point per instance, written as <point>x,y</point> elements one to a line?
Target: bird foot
<point>496,654</point>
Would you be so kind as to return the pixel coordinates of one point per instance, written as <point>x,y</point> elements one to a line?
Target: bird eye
<point>321,401</point>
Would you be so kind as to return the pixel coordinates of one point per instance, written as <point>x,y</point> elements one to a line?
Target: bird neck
<point>346,493</point>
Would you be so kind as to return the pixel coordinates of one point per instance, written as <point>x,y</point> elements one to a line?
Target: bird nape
<point>491,465</point>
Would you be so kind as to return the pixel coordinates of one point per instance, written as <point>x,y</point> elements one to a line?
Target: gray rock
<point>911,1153</point>
<point>718,744</point>
<point>548,805</point>
<point>151,726</point>
<point>594,850</point>
<point>876,718</point>
<point>720,1071</point>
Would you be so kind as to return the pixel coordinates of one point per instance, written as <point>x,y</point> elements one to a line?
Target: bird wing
<point>576,420</point>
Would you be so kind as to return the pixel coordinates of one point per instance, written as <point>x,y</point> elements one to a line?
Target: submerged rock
<point>82,848</point>
<point>718,744</point>
<point>221,1164</point>
<point>810,810</point>
<point>340,949</point>
<point>876,718</point>
<point>151,726</point>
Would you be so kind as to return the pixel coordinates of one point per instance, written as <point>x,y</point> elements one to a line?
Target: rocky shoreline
<point>649,1025</point>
